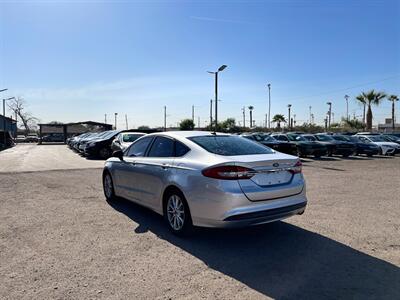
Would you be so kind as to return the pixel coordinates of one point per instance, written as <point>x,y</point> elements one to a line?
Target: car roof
<point>187,134</point>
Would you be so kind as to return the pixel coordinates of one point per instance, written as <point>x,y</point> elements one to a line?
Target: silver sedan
<point>206,179</point>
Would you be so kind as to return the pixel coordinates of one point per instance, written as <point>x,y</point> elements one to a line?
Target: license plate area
<point>272,178</point>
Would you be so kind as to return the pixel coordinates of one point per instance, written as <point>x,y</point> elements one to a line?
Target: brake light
<point>228,172</point>
<point>296,169</point>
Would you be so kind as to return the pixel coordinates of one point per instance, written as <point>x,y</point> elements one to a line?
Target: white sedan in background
<point>125,139</point>
<point>387,148</point>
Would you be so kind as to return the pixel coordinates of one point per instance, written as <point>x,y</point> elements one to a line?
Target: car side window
<point>139,148</point>
<point>162,147</point>
<point>180,149</point>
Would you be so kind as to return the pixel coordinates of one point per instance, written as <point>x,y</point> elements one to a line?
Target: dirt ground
<point>60,239</point>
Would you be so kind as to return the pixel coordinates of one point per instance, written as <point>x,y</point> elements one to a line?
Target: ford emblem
<point>275,165</point>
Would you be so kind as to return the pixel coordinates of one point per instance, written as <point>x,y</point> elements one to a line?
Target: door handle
<point>164,166</point>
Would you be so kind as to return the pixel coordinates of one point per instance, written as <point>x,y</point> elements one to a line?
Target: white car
<point>125,139</point>
<point>387,148</point>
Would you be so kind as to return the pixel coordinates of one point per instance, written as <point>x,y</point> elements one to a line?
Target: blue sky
<point>75,60</point>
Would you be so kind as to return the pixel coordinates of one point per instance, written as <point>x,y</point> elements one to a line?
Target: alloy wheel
<point>176,212</point>
<point>108,187</point>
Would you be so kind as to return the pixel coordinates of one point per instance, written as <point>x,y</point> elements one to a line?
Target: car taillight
<point>228,172</point>
<point>296,169</point>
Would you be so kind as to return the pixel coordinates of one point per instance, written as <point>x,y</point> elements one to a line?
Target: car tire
<point>177,214</point>
<point>108,187</point>
<point>104,153</point>
<point>369,154</point>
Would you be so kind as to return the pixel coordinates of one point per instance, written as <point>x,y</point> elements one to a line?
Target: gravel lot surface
<point>60,239</point>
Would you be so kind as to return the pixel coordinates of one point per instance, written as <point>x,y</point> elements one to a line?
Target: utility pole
<point>289,119</point>
<point>105,118</point>
<point>244,116</point>
<point>126,121</point>
<point>294,120</point>
<point>333,117</point>
<point>193,113</point>
<point>115,116</point>
<point>198,122</point>
<point>310,114</point>
<point>269,105</point>
<point>165,118</point>
<point>329,114</point>
<point>347,106</point>
<point>266,120</point>
<point>211,118</point>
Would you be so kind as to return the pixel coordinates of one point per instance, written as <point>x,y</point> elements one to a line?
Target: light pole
<point>115,119</point>
<point>347,106</point>
<point>329,114</point>
<point>269,105</point>
<point>211,120</point>
<point>220,69</point>
<point>4,119</point>
<point>310,114</point>
<point>290,123</point>
<point>251,115</point>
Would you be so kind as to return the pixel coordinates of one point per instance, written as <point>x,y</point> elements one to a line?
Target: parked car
<point>343,148</point>
<point>125,139</point>
<point>81,143</point>
<point>53,138</point>
<point>32,138</point>
<point>271,142</point>
<point>386,148</point>
<point>362,147</point>
<point>100,146</point>
<point>20,139</point>
<point>303,147</point>
<point>330,146</point>
<point>206,179</point>
<point>391,138</point>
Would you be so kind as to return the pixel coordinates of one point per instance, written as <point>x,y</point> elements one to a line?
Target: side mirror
<point>117,141</point>
<point>119,154</point>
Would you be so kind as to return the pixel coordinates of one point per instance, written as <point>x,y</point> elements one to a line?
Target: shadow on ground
<point>280,260</point>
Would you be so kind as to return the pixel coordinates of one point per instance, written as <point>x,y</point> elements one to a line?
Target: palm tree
<point>367,99</point>
<point>278,119</point>
<point>393,99</point>
<point>251,115</point>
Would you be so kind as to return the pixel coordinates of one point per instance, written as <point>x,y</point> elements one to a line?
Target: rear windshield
<point>229,145</point>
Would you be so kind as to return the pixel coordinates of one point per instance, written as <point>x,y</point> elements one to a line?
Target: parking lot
<point>60,239</point>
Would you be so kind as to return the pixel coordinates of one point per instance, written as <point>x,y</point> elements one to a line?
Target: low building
<point>388,126</point>
<point>8,130</point>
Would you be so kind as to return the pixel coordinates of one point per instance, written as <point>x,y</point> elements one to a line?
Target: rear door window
<point>162,147</point>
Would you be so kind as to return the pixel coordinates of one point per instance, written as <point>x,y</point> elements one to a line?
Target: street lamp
<point>220,69</point>
<point>4,118</point>
<point>329,114</point>
<point>269,105</point>
<point>347,106</point>
<point>115,117</point>
<point>290,123</point>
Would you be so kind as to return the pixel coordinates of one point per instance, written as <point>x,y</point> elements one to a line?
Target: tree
<point>229,125</point>
<point>186,124</point>
<point>393,99</point>
<point>353,124</point>
<point>17,105</point>
<point>368,99</point>
<point>278,119</point>
<point>143,127</point>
